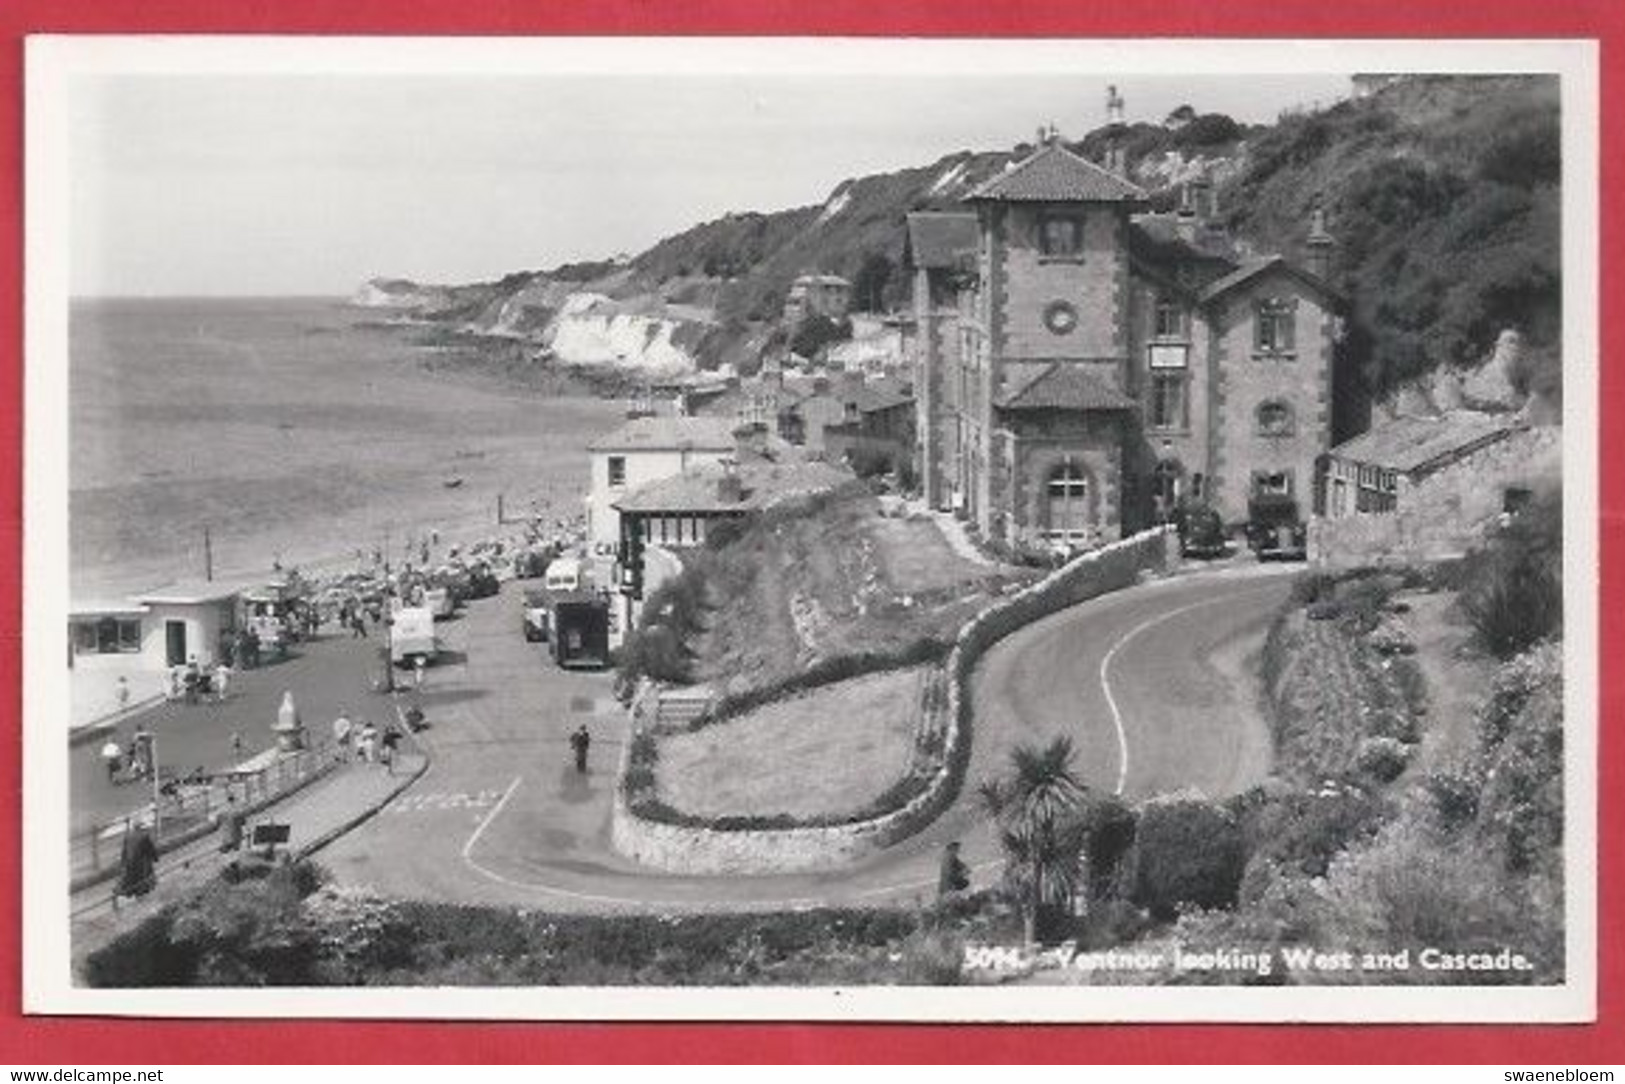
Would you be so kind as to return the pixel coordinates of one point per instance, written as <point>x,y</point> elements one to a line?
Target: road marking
<point>440,801</point>
<point>1105,663</point>
<point>485,822</point>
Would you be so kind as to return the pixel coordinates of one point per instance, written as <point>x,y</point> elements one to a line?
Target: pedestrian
<point>341,734</point>
<point>141,752</point>
<point>174,683</point>
<point>389,742</point>
<point>358,626</point>
<point>236,745</point>
<point>123,694</point>
<point>222,679</point>
<point>138,863</point>
<point>417,672</point>
<point>954,875</point>
<point>112,755</point>
<point>367,742</point>
<point>191,678</point>
<point>580,741</point>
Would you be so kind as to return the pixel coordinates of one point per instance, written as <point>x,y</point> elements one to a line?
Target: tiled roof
<point>668,434</point>
<point>936,239</point>
<point>761,484</point>
<point>1066,385</point>
<point>882,394</point>
<point>1258,266</point>
<point>1056,175</point>
<point>1410,444</point>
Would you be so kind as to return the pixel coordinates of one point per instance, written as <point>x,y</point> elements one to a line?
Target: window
<point>617,470</point>
<point>108,636</point>
<point>1067,503</point>
<point>1169,321</point>
<point>1196,486</point>
<point>1274,418</point>
<point>1266,483</point>
<point>1168,407</point>
<point>1274,324</point>
<point>1060,236</point>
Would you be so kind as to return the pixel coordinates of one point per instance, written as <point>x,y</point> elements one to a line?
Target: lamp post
<point>157,790</point>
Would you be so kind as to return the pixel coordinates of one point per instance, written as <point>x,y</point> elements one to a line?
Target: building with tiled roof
<point>1055,175</point>
<point>1082,365</point>
<point>644,449</point>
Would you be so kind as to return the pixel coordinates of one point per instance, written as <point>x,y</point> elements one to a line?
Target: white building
<point>647,449</point>
<point>140,639</point>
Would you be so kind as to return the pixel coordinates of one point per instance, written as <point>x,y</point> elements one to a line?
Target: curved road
<point>1149,683</point>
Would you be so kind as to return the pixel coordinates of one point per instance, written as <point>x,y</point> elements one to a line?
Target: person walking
<point>236,746</point>
<point>417,672</point>
<point>222,680</point>
<point>953,876</point>
<point>138,864</point>
<point>141,752</point>
<point>191,678</point>
<point>341,734</point>
<point>112,756</point>
<point>389,743</point>
<point>366,743</point>
<point>123,694</point>
<point>580,742</point>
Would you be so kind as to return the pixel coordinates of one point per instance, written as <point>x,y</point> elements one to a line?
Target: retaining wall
<point>684,849</point>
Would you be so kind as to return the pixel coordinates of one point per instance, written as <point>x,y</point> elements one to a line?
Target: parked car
<point>537,615</point>
<point>1275,530</point>
<point>482,582</point>
<point>1201,532</point>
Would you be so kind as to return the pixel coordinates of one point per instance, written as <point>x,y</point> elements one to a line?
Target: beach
<point>295,431</point>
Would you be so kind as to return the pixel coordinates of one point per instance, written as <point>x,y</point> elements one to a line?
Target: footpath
<point>315,816</point>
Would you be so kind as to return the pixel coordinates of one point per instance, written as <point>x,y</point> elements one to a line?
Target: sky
<point>309,183</point>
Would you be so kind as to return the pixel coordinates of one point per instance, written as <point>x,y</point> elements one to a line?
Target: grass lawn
<point>832,750</point>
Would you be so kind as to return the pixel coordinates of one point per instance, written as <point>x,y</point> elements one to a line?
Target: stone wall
<point>1445,513</point>
<point>682,849</point>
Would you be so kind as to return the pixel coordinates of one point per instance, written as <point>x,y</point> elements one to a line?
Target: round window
<point>1060,317</point>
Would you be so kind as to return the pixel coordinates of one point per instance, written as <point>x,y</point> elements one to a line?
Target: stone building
<point>817,295</point>
<point>1079,371</point>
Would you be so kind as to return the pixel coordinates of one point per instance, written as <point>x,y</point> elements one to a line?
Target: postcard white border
<point>53,63</point>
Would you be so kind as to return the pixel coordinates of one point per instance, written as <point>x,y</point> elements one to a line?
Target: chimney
<point>730,488</point>
<point>1114,106</point>
<point>1185,222</point>
<point>1318,260</point>
<point>750,442</point>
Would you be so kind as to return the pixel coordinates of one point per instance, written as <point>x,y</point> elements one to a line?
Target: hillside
<point>1442,192</point>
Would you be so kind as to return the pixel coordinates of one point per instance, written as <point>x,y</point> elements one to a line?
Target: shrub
<point>1453,798</point>
<point>1382,759</point>
<point>1517,603</point>
<point>1311,587</point>
<point>1302,832</point>
<point>1187,851</point>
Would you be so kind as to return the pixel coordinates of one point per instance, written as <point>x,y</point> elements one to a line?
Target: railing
<point>192,807</point>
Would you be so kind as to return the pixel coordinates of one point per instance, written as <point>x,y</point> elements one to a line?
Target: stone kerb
<point>699,850</point>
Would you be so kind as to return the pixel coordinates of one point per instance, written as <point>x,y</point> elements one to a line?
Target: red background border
<point>83,1041</point>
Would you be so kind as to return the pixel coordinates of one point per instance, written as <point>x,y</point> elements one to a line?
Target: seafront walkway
<point>330,674</point>
<point>314,817</point>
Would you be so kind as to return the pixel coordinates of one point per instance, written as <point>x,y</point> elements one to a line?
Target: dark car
<point>1275,530</point>
<point>482,582</point>
<point>1201,532</point>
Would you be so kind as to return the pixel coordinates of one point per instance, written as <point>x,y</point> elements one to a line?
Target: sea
<point>301,432</point>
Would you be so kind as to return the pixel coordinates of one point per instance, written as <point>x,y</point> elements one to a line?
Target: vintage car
<point>1275,530</point>
<point>1201,532</point>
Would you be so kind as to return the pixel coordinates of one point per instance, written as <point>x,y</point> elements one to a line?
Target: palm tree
<point>1038,812</point>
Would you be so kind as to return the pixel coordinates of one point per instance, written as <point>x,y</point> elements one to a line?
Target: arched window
<point>1068,517</point>
<point>1274,418</point>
